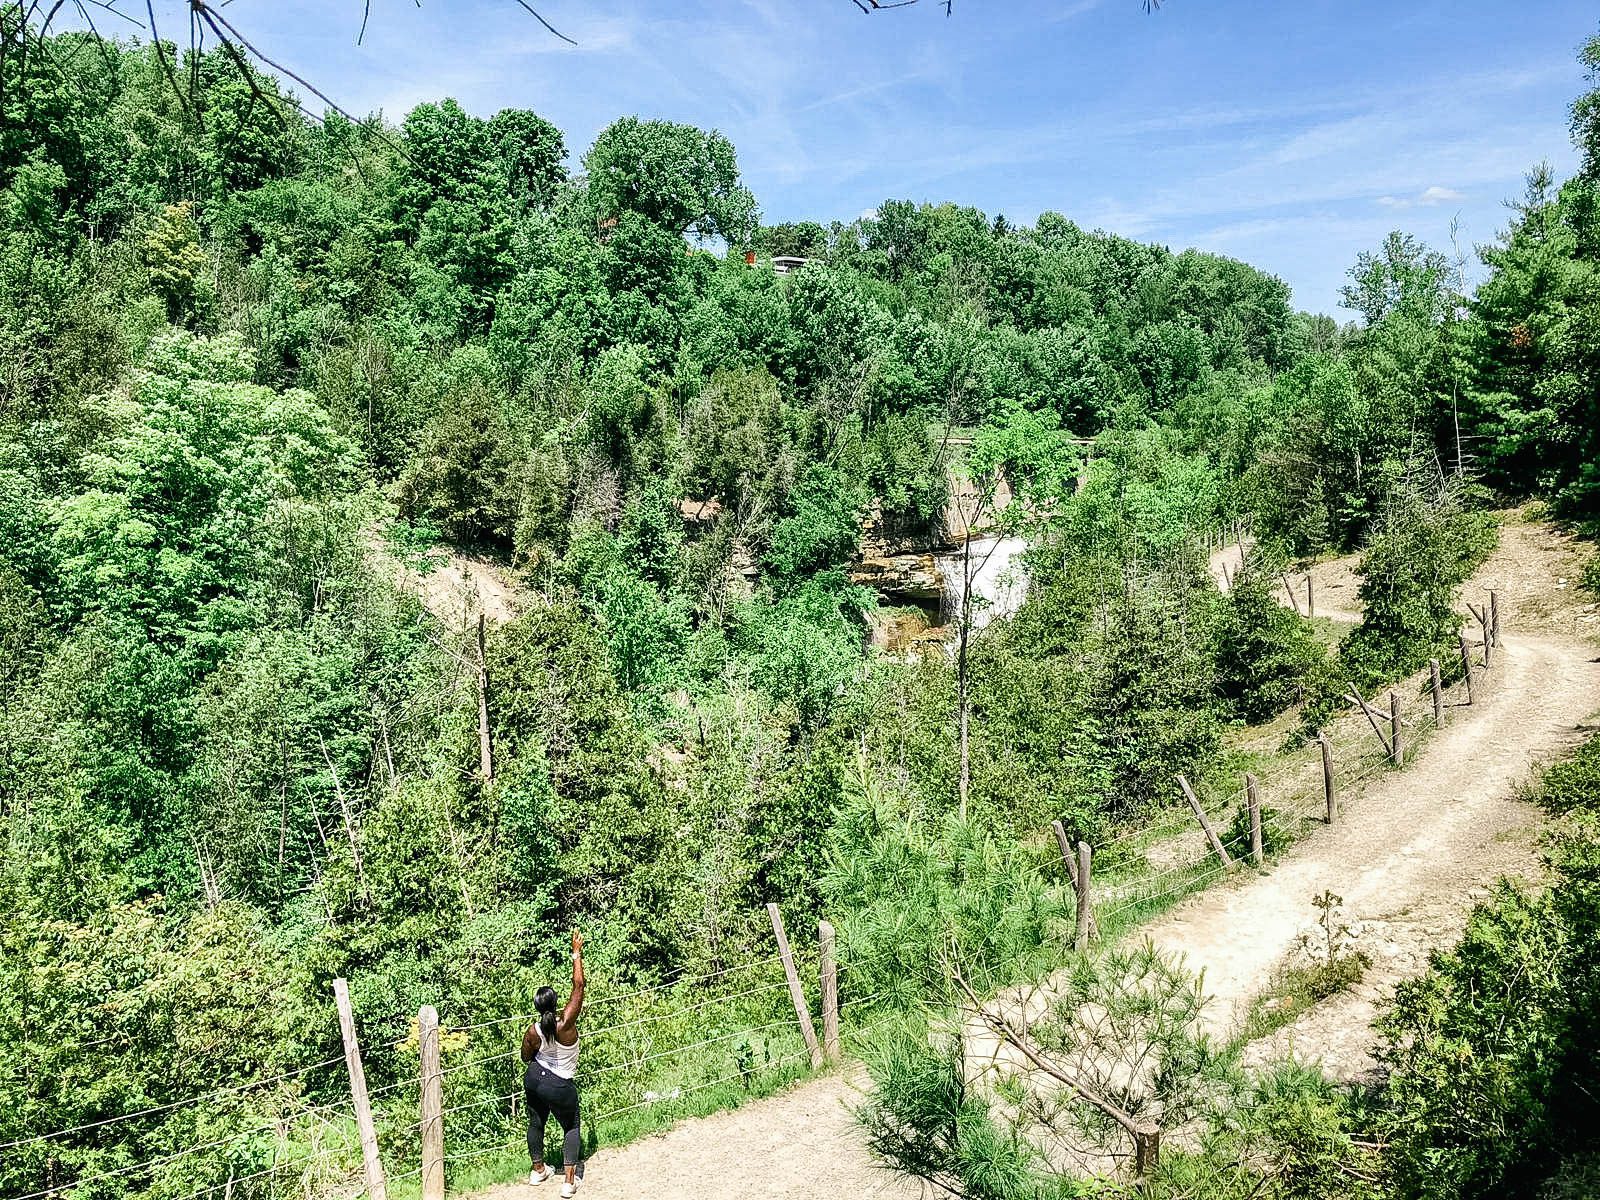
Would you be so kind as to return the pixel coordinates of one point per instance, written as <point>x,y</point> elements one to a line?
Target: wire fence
<point>1293,795</point>
<point>669,1046</point>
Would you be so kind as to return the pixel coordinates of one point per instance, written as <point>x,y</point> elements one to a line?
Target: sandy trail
<point>1333,583</point>
<point>799,1144</point>
<point>1410,855</point>
<point>1228,561</point>
<point>453,585</point>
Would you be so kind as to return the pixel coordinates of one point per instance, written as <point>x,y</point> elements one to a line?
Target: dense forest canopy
<point>255,367</point>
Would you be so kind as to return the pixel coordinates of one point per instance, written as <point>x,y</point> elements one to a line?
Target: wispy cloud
<point>1428,197</point>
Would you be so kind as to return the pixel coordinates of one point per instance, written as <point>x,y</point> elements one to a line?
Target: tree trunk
<point>963,633</point>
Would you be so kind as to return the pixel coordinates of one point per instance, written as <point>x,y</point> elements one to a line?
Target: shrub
<point>1424,546</point>
<point>1590,579</point>
<point>1573,784</point>
<point>1493,1058</point>
<point>1268,658</point>
<point>1274,837</point>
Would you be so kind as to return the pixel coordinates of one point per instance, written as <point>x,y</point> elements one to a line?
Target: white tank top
<point>556,1058</point>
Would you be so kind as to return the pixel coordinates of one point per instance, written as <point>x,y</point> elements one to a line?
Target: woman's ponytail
<point>544,1003</point>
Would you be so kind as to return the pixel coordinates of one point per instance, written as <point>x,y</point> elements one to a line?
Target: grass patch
<point>1573,783</point>
<point>1296,990</point>
<point>1139,900</point>
<point>1278,832</point>
<point>1330,966</point>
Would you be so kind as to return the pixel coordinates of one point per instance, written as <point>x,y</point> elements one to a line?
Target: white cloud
<point>1427,198</point>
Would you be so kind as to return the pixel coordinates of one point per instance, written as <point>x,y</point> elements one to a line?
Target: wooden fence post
<point>1085,915</point>
<point>1253,799</point>
<point>1397,753</point>
<point>802,1010</point>
<point>1329,795</point>
<point>1438,692</point>
<point>1466,665</point>
<point>1289,588</point>
<point>1494,617</point>
<point>485,745</point>
<point>1311,602</point>
<point>1200,813</point>
<point>432,1081</point>
<point>828,967</point>
<point>1488,637</point>
<point>371,1163</point>
<point>1372,719</point>
<point>1069,859</point>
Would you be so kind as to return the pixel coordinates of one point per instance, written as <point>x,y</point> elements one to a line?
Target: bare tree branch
<point>546,24</point>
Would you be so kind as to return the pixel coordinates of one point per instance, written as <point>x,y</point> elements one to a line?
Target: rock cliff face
<point>901,578</point>
<point>905,633</point>
<point>901,569</point>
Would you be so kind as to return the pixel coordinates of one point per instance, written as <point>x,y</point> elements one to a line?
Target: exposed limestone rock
<point>901,577</point>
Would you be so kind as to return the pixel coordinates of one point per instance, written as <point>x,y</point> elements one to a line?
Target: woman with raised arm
<point>550,1048</point>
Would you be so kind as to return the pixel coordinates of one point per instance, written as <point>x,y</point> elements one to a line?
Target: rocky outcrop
<point>905,633</point>
<point>901,577</point>
<point>901,569</point>
<point>698,512</point>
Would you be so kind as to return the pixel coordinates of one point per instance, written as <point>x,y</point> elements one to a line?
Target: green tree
<point>677,177</point>
<point>1424,546</point>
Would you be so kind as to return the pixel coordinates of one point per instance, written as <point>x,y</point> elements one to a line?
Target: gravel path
<point>799,1144</point>
<point>1409,855</point>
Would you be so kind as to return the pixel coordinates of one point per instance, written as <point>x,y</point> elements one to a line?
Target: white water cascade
<point>999,580</point>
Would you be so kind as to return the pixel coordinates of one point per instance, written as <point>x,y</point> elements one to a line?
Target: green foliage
<point>1325,966</point>
<point>821,532</point>
<point>1425,545</point>
<point>176,262</point>
<point>1124,1025</point>
<point>737,441</point>
<point>1275,839</point>
<point>1590,580</point>
<point>805,648</point>
<point>238,759</point>
<point>1268,658</point>
<point>923,1121</point>
<point>922,895</point>
<point>905,471</point>
<point>674,176</point>
<point>1573,784</point>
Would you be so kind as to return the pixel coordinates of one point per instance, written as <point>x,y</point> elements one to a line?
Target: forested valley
<point>263,377</point>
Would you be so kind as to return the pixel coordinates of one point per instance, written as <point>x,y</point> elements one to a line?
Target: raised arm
<point>575,1001</point>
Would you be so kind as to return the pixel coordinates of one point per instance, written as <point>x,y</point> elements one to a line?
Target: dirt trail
<point>797,1145</point>
<point>1227,562</point>
<point>1410,855</point>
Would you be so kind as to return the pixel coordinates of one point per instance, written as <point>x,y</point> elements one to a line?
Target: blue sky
<point>1291,135</point>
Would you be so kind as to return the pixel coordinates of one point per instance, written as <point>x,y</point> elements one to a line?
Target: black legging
<point>548,1093</point>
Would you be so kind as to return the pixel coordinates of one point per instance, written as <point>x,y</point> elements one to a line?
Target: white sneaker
<point>568,1191</point>
<point>541,1176</point>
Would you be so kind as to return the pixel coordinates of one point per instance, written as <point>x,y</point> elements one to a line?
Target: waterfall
<point>999,579</point>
